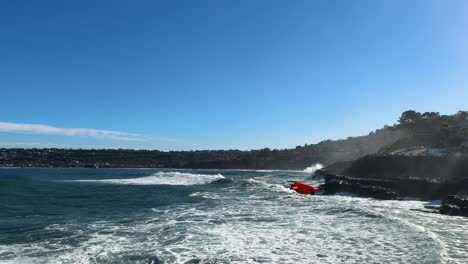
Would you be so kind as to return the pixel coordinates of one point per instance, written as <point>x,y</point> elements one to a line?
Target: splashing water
<point>164,178</point>
<point>69,216</point>
<point>312,169</point>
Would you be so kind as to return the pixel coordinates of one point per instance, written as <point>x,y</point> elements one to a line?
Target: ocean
<point>210,216</point>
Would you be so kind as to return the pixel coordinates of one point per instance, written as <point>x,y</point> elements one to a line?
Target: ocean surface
<point>210,216</point>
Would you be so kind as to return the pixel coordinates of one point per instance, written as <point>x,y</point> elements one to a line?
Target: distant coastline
<point>425,155</point>
<point>422,134</point>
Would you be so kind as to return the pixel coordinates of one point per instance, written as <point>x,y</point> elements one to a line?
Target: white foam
<point>206,195</point>
<point>297,229</point>
<point>265,223</point>
<point>313,168</point>
<point>164,178</point>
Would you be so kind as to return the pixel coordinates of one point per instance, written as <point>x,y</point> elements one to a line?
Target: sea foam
<point>313,168</point>
<point>164,178</point>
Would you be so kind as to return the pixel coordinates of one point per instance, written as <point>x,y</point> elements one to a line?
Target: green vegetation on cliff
<point>414,130</point>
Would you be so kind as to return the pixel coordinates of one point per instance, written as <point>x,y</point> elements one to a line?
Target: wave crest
<point>313,168</point>
<point>165,178</point>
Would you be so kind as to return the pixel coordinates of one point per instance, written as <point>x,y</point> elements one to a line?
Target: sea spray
<point>164,178</point>
<point>248,220</point>
<point>312,169</point>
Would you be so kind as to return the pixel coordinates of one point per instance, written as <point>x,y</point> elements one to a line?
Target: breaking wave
<point>165,178</point>
<point>313,168</point>
<point>246,217</point>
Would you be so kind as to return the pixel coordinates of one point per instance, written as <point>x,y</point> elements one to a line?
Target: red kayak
<point>304,188</point>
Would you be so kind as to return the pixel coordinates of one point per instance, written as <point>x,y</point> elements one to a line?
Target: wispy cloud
<point>19,144</point>
<point>83,132</point>
<point>15,144</point>
<point>166,139</point>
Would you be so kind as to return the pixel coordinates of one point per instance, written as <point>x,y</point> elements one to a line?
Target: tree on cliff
<point>463,115</point>
<point>431,115</point>
<point>409,117</point>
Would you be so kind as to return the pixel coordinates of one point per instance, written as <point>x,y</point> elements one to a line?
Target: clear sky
<point>224,74</point>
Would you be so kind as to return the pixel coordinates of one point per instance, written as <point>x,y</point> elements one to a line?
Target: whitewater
<point>211,216</point>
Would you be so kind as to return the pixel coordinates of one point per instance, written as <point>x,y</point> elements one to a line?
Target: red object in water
<point>304,188</point>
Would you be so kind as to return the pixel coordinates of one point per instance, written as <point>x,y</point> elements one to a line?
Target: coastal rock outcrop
<point>455,205</point>
<point>393,188</point>
<point>336,184</point>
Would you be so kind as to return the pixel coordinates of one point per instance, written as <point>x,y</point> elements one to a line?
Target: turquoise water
<point>209,216</point>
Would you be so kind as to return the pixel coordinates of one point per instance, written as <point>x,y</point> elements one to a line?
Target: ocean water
<point>210,216</point>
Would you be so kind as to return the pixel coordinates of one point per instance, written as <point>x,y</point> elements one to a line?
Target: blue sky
<point>223,74</point>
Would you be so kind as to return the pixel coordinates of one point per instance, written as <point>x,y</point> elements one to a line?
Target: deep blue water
<point>208,216</point>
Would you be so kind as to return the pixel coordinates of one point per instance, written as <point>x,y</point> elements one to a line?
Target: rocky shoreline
<point>391,178</point>
<point>455,205</point>
<point>453,202</point>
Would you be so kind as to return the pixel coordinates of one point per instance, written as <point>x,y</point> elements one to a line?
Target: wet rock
<point>426,189</point>
<point>455,205</point>
<point>335,184</point>
<point>406,167</point>
<point>390,189</point>
<point>377,192</point>
<point>458,200</point>
<point>449,209</point>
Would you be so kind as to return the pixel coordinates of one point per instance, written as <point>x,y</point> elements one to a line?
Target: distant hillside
<point>432,130</point>
<point>414,130</point>
<point>429,162</point>
<point>434,147</point>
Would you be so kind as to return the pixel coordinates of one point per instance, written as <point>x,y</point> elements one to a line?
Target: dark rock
<point>389,189</point>
<point>449,209</point>
<point>334,184</point>
<point>405,167</point>
<point>455,205</point>
<point>426,189</point>
<point>377,192</point>
<point>458,200</point>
